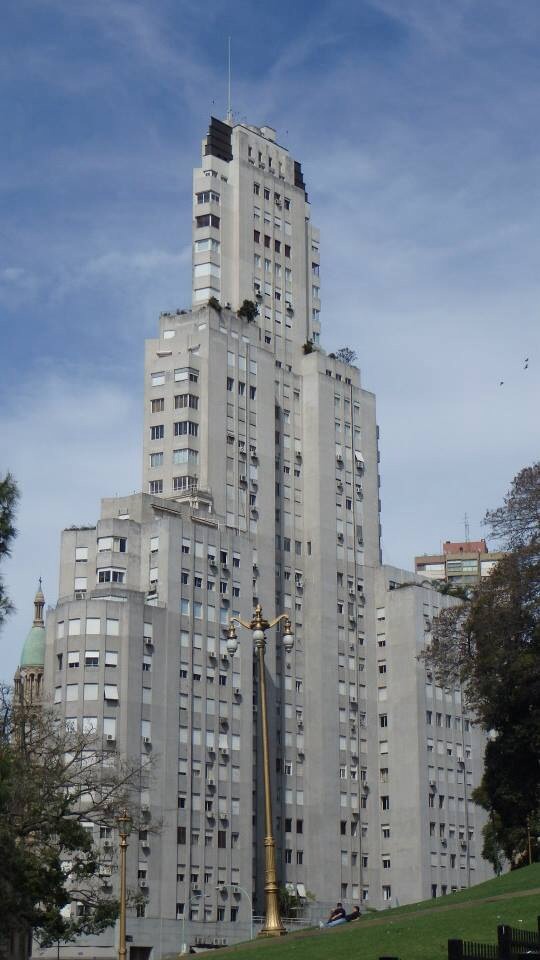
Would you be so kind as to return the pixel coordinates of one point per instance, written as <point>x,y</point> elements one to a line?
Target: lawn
<point>403,933</point>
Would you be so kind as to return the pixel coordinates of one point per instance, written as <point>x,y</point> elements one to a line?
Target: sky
<point>416,122</point>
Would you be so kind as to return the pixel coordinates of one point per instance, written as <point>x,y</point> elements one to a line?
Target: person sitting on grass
<point>337,916</point>
<point>354,915</point>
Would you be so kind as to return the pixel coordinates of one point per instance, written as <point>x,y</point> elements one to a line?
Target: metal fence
<point>516,942</point>
<point>513,943</point>
<point>470,950</point>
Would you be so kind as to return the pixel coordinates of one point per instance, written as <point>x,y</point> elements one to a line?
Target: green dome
<point>33,652</point>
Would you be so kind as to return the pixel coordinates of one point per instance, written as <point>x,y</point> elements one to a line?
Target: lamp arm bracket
<point>282,616</point>
<point>241,622</point>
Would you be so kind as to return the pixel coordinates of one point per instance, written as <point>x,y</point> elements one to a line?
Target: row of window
<point>90,692</point>
<point>279,224</point>
<point>91,626</point>
<point>181,400</point>
<point>439,800</point>
<point>104,575</point>
<point>267,241</point>
<point>113,544</point>
<point>278,271</point>
<point>266,192</point>
<point>180,428</point>
<point>198,611</point>
<point>181,374</point>
<point>198,583</point>
<point>463,832</point>
<point>89,725</point>
<point>91,658</point>
<point>241,388</point>
<point>448,721</point>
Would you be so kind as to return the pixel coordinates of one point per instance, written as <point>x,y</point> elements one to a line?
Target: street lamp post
<point>236,886</point>
<point>124,829</point>
<point>273,924</point>
<point>192,902</point>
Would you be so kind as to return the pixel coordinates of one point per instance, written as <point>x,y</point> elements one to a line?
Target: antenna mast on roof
<point>229,111</point>
<point>467,529</point>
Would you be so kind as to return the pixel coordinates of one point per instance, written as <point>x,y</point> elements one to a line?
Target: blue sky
<point>416,122</point>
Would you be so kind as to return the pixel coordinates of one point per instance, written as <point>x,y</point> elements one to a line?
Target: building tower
<point>282,440</point>
<point>28,679</point>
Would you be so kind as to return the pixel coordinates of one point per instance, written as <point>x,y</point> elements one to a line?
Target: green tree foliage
<point>491,645</point>
<point>54,782</point>
<point>248,310</point>
<point>9,496</point>
<point>346,355</point>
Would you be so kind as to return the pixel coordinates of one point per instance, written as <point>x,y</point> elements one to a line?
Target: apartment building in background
<point>261,485</point>
<point>460,563</point>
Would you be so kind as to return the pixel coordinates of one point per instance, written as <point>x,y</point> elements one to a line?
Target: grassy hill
<point>418,931</point>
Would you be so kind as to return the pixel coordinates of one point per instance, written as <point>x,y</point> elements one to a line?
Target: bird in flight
<point>526,364</point>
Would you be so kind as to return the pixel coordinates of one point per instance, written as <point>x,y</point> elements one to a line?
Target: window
<point>383,719</point>
<point>385,802</point>
<point>257,236</point>
<point>112,543</point>
<point>207,195</point>
<point>111,574</point>
<point>186,400</point>
<point>157,379</point>
<point>81,554</point>
<point>157,432</point>
<point>157,405</point>
<point>186,455</point>
<point>207,220</point>
<point>186,373</point>
<point>186,427</point>
<point>156,459</point>
<point>208,243</point>
<point>155,486</point>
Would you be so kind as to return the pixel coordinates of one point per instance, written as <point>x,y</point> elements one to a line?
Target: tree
<point>346,355</point>
<point>215,304</point>
<point>491,645</point>
<point>9,496</point>
<point>517,522</point>
<point>248,310</point>
<point>55,783</point>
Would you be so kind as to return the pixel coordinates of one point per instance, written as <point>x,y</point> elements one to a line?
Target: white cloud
<point>69,439</point>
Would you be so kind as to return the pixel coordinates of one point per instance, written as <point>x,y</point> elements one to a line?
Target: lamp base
<point>276,932</point>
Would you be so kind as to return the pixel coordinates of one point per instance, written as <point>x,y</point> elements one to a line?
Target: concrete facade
<point>261,484</point>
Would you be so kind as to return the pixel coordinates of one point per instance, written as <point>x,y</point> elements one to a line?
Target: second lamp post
<point>273,924</point>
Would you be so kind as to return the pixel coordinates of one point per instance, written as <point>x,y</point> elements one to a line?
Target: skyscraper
<point>260,478</point>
